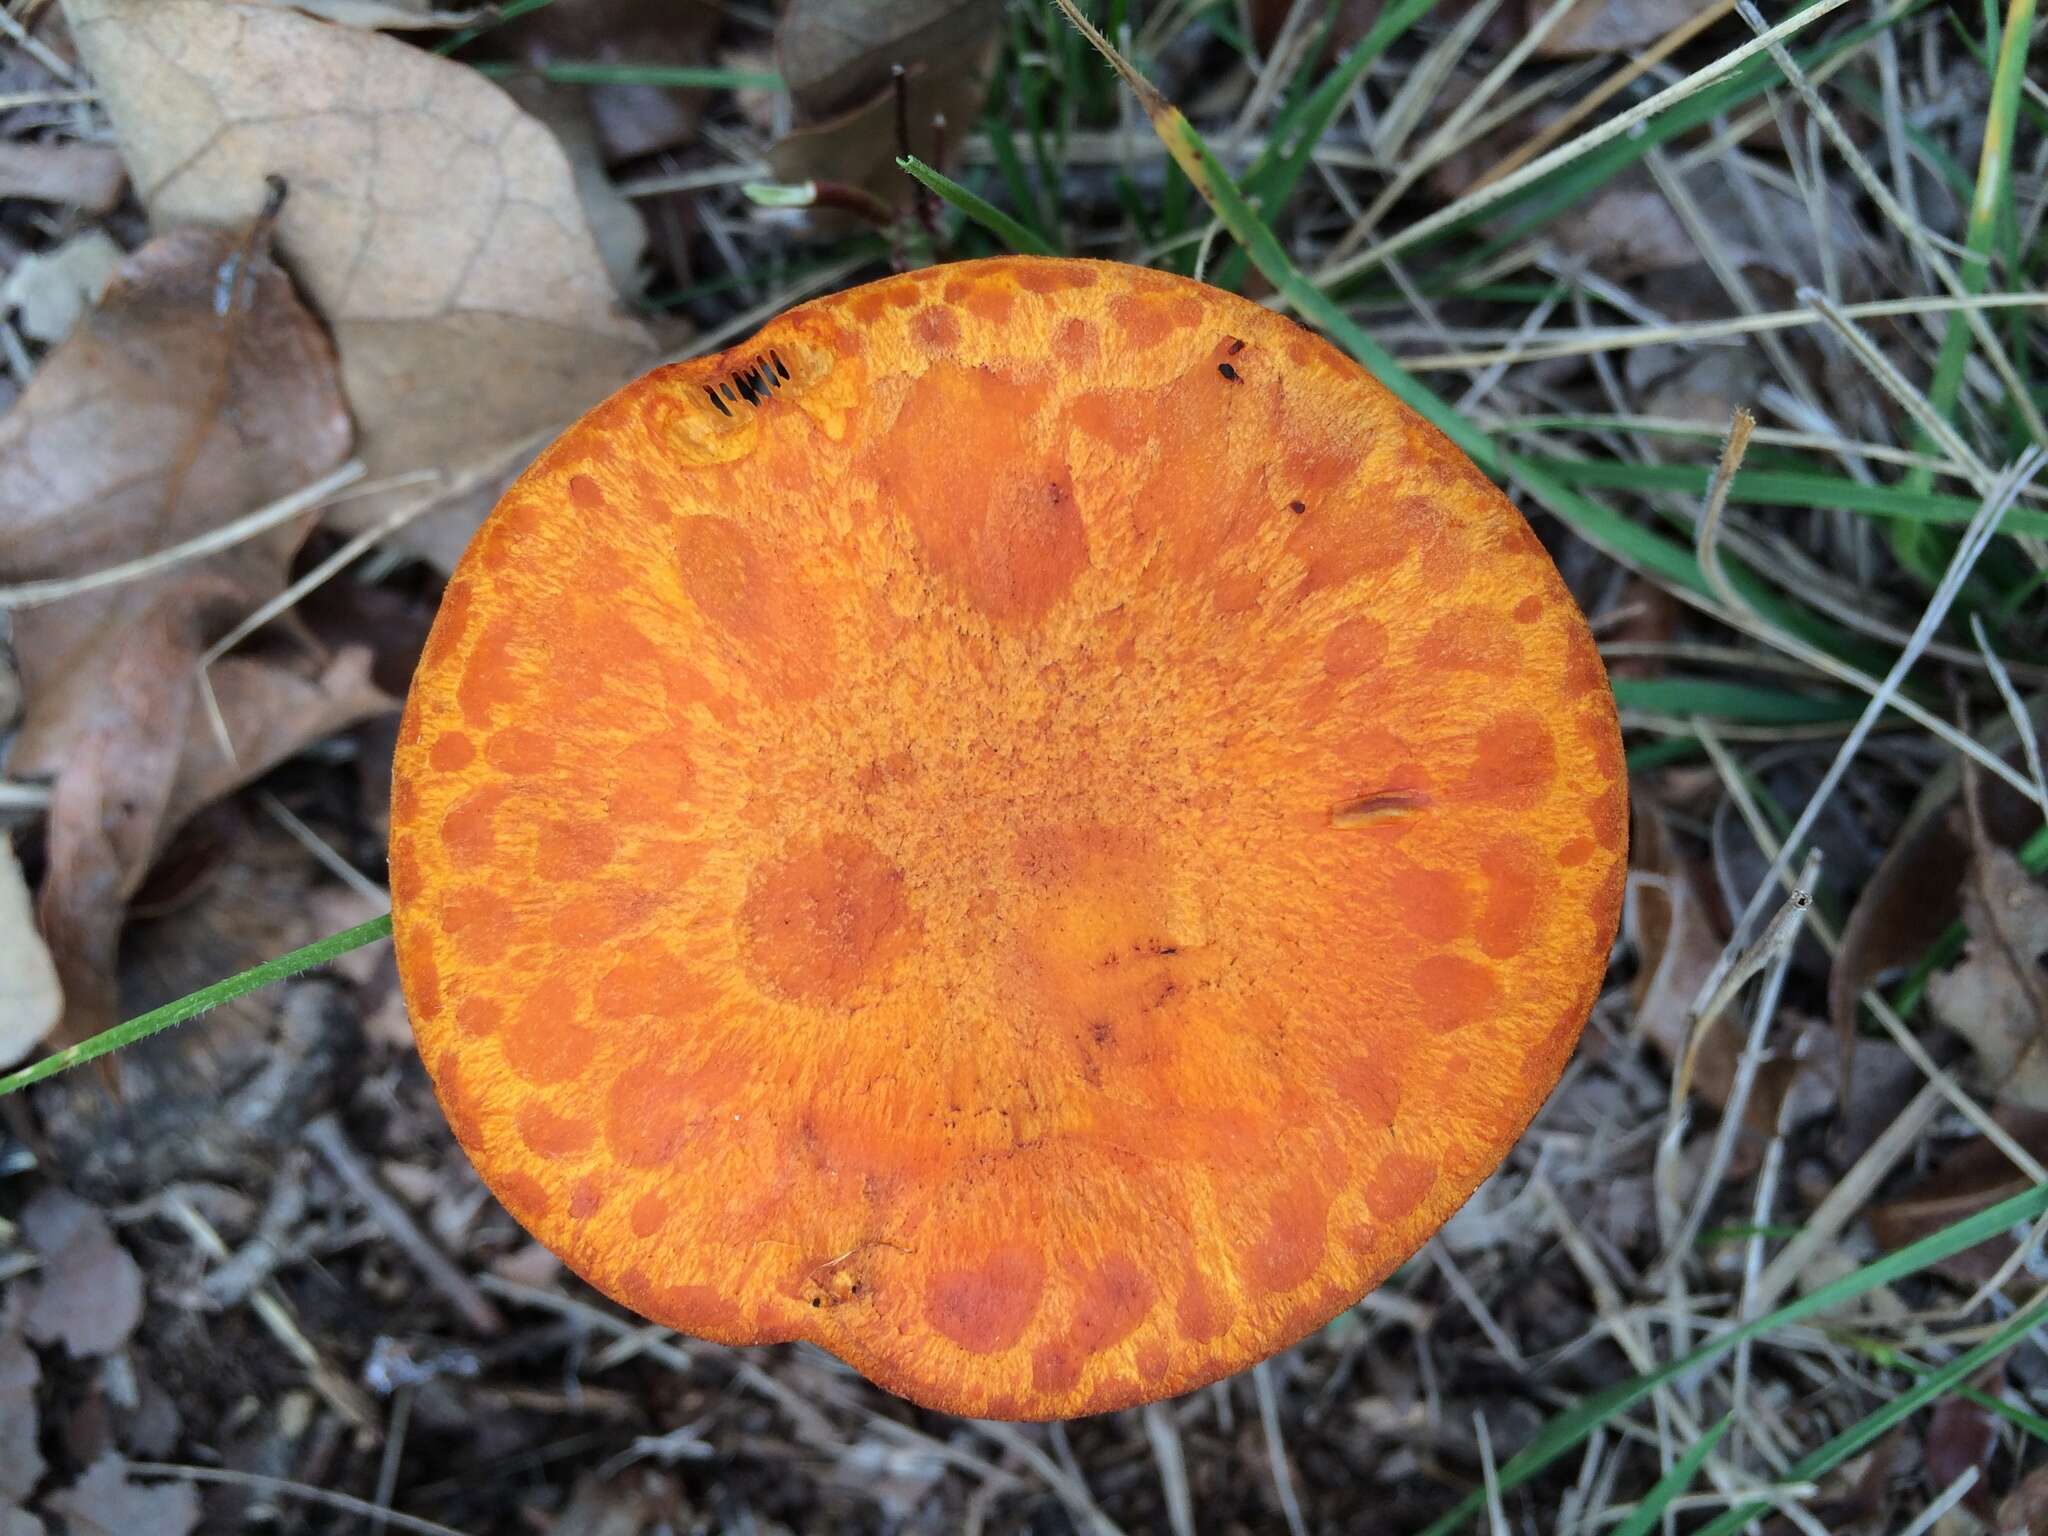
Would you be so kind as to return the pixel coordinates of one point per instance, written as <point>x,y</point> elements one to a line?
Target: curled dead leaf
<point>198,391</point>
<point>1673,921</point>
<point>88,1293</point>
<point>1997,998</point>
<point>433,225</point>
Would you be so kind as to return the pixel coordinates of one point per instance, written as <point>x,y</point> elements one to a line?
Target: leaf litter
<point>199,391</point>
<point>451,237</point>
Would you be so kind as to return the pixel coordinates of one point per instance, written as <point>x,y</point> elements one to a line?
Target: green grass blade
<point>1919,550</point>
<point>1741,702</point>
<point>1674,1482</point>
<point>156,1020</point>
<point>1790,488</point>
<point>985,213</point>
<point>1572,1426</point>
<point>686,76</point>
<point>1271,180</point>
<point>1819,1462</point>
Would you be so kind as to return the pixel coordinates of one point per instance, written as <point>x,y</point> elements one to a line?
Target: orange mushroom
<point>1032,827</point>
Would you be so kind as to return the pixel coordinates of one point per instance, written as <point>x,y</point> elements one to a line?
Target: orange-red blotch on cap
<point>1030,825</point>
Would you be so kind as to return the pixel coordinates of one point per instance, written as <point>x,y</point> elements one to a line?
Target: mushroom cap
<point>1032,826</point>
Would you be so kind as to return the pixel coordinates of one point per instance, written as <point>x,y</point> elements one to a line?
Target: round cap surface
<point>1030,826</point>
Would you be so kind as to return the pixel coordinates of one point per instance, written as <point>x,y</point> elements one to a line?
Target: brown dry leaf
<point>1611,26</point>
<point>1972,1175</point>
<point>1910,899</point>
<point>21,1461</point>
<point>157,421</point>
<point>88,1292</point>
<point>1672,921</point>
<point>837,59</point>
<point>105,1502</point>
<point>432,224</point>
<point>1997,998</point>
<point>87,176</point>
<point>30,998</point>
<point>2026,1507</point>
<point>1962,1436</point>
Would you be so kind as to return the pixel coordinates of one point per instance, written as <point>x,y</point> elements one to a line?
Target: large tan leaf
<point>198,391</point>
<point>431,223</point>
<point>1997,998</point>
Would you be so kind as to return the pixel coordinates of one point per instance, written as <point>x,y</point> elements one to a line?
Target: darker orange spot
<point>1371,1082</point>
<point>519,750</point>
<point>1198,1313</point>
<point>649,1212</point>
<point>408,882</point>
<point>584,494</point>
<point>1454,991</point>
<point>524,1196</point>
<point>1291,1248</point>
<point>1075,343</point>
<point>480,923</point>
<point>1584,672</point>
<point>935,328</point>
<point>1357,645</point>
<point>451,622</point>
<point>603,914</point>
<point>648,983</point>
<point>573,850</point>
<point>1514,760</point>
<point>467,831</point>
<point>422,978</point>
<point>477,1015</point>
<point>1514,876</point>
<point>1153,1361</point>
<point>490,679</point>
<point>825,919</point>
<point>1575,852</point>
<point>451,750</point>
<point>999,524</point>
<point>1056,1367</point>
<point>1529,609</point>
<point>544,1038</point>
<point>1431,903</point>
<point>584,1200</point>
<point>1398,1185</point>
<point>1470,640</point>
<point>984,1308</point>
<point>1112,1299</point>
<point>658,1107</point>
<point>1144,322</point>
<point>550,1134</point>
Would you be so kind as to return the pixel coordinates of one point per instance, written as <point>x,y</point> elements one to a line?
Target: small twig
<point>326,1137</point>
<point>1276,1448</point>
<point>302,1491</point>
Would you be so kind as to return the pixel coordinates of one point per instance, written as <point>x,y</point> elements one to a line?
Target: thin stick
<point>304,1492</point>
<point>30,594</point>
<point>1601,94</point>
<point>1276,1448</point>
<point>326,1137</point>
<point>1613,128</point>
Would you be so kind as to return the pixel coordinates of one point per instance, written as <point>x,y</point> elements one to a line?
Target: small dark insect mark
<point>1228,372</point>
<point>1297,507</point>
<point>1235,346</point>
<point>817,1301</point>
<point>716,401</point>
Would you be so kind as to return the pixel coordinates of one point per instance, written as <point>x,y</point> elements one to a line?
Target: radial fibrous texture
<point>1031,826</point>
